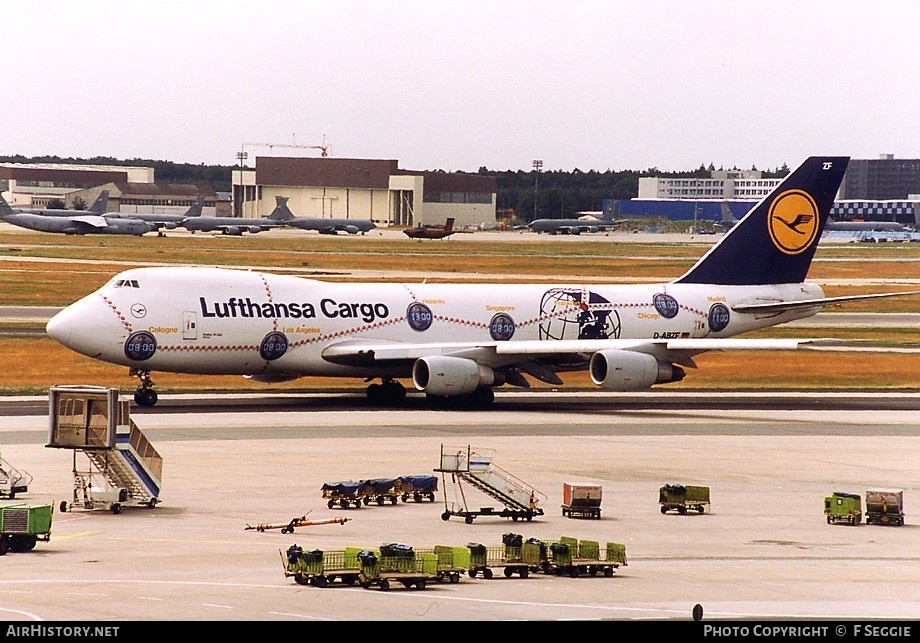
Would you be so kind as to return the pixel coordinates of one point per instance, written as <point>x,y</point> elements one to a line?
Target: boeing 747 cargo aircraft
<point>460,341</point>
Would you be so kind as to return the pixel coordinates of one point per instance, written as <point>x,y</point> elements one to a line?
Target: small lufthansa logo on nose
<point>793,221</point>
<point>138,310</point>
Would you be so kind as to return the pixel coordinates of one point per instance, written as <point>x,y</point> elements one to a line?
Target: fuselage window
<point>419,316</point>
<point>140,346</point>
<point>501,328</point>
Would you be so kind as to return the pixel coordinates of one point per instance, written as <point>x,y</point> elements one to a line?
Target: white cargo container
<point>885,506</point>
<point>581,500</point>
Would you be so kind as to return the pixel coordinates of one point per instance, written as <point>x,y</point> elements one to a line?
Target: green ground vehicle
<point>843,507</point>
<point>22,526</point>
<point>683,498</point>
<point>395,563</point>
<point>514,557</point>
<point>572,557</point>
<point>319,568</point>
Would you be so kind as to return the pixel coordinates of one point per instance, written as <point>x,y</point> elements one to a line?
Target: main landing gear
<point>389,393</point>
<point>144,395</point>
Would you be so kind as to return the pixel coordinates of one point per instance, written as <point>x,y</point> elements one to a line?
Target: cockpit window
<point>126,283</point>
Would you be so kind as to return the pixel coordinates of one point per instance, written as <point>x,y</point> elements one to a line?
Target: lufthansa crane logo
<point>793,221</point>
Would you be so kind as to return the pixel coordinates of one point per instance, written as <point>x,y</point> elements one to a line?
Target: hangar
<point>373,189</point>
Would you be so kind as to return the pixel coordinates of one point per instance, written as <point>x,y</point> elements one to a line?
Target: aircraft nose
<point>77,326</point>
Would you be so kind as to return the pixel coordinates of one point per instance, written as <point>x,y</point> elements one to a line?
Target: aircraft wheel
<point>375,393</point>
<point>393,392</point>
<point>145,397</point>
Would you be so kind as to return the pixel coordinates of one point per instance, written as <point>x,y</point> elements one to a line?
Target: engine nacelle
<point>629,371</point>
<point>449,376</point>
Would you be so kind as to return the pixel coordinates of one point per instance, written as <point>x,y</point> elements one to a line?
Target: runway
<point>763,552</point>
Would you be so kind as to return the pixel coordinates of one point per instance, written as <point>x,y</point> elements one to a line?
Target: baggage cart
<point>345,494</point>
<point>396,564</point>
<point>513,557</point>
<point>319,568</point>
<point>581,501</point>
<point>452,562</point>
<point>417,487</point>
<point>569,557</point>
<point>885,507</point>
<point>379,490</point>
<point>843,507</point>
<point>683,498</point>
<point>22,526</point>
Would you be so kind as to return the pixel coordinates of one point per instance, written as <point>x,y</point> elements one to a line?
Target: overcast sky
<point>438,84</point>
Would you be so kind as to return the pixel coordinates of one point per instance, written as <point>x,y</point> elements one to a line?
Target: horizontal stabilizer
<point>782,306</point>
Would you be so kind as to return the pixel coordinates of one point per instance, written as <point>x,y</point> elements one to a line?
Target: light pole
<point>241,156</point>
<point>537,166</point>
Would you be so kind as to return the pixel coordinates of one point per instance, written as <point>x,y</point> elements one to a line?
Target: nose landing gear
<point>144,395</point>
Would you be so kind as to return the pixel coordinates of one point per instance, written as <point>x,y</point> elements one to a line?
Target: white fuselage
<point>220,321</point>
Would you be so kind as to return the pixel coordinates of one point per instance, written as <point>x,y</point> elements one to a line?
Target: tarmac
<point>762,550</point>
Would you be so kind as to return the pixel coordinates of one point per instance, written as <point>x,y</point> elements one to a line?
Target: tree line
<point>524,194</point>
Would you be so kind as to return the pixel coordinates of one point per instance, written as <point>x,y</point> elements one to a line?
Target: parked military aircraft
<point>234,225</point>
<point>458,341</point>
<point>432,231</point>
<point>72,221</point>
<point>321,225</point>
<point>575,226</point>
<point>99,206</point>
<point>163,221</point>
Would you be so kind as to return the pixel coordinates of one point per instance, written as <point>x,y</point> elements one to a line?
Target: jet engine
<point>449,376</point>
<point>629,371</point>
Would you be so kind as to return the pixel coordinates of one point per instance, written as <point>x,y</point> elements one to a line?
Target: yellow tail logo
<point>793,221</point>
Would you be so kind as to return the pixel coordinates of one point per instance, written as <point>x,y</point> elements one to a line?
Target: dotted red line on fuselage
<point>121,316</point>
<point>397,320</point>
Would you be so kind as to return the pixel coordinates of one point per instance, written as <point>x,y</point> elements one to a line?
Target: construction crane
<point>324,148</point>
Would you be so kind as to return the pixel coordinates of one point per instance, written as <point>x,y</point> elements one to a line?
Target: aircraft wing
<point>93,220</point>
<point>495,354</point>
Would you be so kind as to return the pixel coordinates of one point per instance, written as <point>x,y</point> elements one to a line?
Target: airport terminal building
<point>883,189</point>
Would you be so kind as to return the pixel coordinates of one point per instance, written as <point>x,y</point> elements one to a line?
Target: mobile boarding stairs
<point>121,467</point>
<point>475,468</point>
<point>13,480</point>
